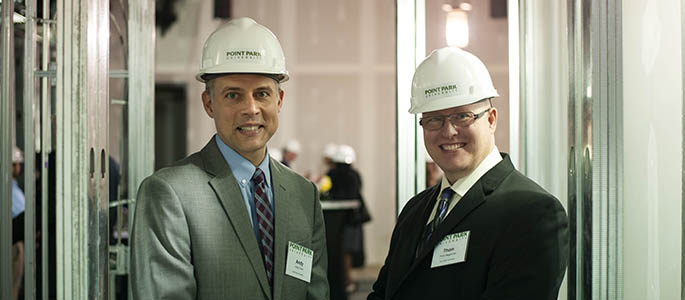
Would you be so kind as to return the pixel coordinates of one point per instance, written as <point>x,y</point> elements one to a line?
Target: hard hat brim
<point>449,102</point>
<point>206,76</point>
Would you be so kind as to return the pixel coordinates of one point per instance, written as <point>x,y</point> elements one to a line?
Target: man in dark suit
<point>230,222</point>
<point>486,231</point>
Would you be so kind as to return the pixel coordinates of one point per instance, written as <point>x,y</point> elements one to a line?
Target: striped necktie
<point>441,212</point>
<point>265,219</point>
<point>440,215</point>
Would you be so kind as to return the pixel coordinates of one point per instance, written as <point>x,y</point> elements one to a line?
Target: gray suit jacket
<point>192,237</point>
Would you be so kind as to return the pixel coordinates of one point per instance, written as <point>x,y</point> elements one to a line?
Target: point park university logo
<point>443,90</point>
<point>243,55</point>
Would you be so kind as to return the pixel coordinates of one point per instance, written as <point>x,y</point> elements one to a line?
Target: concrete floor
<point>364,277</point>
<point>363,290</point>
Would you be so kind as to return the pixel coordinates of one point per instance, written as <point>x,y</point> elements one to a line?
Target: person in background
<point>328,151</point>
<point>343,225</point>
<point>486,231</point>
<point>323,182</point>
<point>433,173</point>
<point>18,202</point>
<point>230,222</point>
<point>275,153</point>
<point>114,177</point>
<point>290,152</point>
<point>118,226</point>
<point>18,206</point>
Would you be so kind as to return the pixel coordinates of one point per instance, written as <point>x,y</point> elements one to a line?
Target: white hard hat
<point>17,155</point>
<point>344,154</point>
<point>329,150</point>
<point>293,146</point>
<point>242,46</point>
<point>449,77</point>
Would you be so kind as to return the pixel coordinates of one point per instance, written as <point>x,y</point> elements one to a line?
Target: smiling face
<point>245,110</point>
<point>459,150</point>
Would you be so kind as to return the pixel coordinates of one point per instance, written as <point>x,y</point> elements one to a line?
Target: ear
<point>280,99</point>
<point>207,104</point>
<point>492,119</point>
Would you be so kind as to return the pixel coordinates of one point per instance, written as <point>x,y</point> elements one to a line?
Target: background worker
<point>18,207</point>
<point>343,223</point>
<point>290,152</point>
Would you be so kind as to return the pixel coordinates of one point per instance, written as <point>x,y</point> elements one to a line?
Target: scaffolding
<point>64,104</point>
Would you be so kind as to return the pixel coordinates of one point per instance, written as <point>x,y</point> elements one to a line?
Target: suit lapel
<point>228,192</point>
<point>282,216</point>
<point>473,198</point>
<point>410,235</point>
<point>405,264</point>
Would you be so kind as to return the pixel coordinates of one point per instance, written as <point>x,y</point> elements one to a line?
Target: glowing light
<point>457,29</point>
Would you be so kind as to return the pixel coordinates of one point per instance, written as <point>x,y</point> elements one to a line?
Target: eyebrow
<point>260,88</point>
<point>229,88</point>
<point>447,115</point>
<point>265,87</point>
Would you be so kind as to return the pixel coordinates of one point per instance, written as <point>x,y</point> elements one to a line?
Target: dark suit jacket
<point>193,239</point>
<point>517,247</point>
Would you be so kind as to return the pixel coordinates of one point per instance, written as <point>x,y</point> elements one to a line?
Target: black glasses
<point>462,119</point>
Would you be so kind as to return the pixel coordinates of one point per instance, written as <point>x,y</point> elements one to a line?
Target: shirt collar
<point>242,168</point>
<point>465,183</point>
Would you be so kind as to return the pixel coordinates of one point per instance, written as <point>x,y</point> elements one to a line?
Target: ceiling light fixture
<point>457,24</point>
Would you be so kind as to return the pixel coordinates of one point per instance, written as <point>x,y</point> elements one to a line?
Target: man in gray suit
<point>229,222</point>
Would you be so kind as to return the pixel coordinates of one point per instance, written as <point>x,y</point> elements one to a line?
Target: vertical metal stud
<point>61,146</point>
<point>574,272</point>
<point>682,193</point>
<point>6,142</point>
<point>141,108</point>
<point>96,94</point>
<point>82,81</point>
<point>46,143</point>
<point>29,153</point>
<point>525,73</point>
<point>410,52</point>
<point>595,151</point>
<point>515,60</point>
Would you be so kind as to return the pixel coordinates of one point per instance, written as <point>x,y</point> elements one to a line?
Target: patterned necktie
<point>265,219</point>
<point>441,212</point>
<point>440,215</point>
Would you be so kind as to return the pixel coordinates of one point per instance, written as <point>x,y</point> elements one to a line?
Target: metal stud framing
<point>6,141</point>
<point>595,150</point>
<point>411,45</point>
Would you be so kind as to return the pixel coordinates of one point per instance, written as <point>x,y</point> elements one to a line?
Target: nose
<point>448,129</point>
<point>251,106</point>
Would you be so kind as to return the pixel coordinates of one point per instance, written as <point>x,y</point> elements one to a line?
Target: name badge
<point>451,250</point>
<point>299,262</point>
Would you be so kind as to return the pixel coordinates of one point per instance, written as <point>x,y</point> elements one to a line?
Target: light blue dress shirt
<point>18,202</point>
<point>243,170</point>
